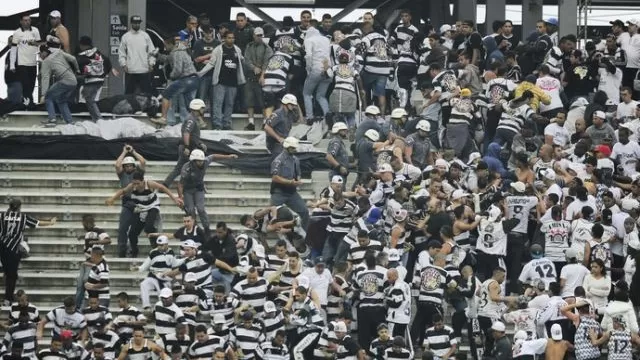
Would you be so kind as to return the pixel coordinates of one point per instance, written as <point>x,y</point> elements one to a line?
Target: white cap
<point>494,213</point>
<point>372,135</point>
<point>190,244</point>
<point>219,319</point>
<point>190,277</point>
<point>290,142</point>
<point>629,204</point>
<point>166,293</point>
<point>197,154</point>
<point>519,186</point>
<point>336,179</point>
<point>571,253</point>
<point>398,113</point>
<point>162,240</point>
<point>556,332</point>
<point>458,194</point>
<point>393,255</point>
<point>258,31</point>
<point>372,109</point>
<point>444,28</point>
<point>340,327</point>
<point>338,127</point>
<point>442,163</point>
<point>128,160</point>
<point>498,326</point>
<point>289,99</point>
<point>635,22</point>
<point>473,157</point>
<point>385,168</point>
<point>55,14</point>
<point>303,281</point>
<point>423,125</point>
<point>269,306</point>
<point>520,335</point>
<point>600,114</point>
<point>197,104</point>
<point>399,214</point>
<point>549,174</point>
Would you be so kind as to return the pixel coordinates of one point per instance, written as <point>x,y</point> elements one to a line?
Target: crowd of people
<point>526,148</point>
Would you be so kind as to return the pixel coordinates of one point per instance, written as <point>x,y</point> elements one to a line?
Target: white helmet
<point>423,125</point>
<point>289,99</point>
<point>400,214</point>
<point>129,160</point>
<point>290,142</point>
<point>372,135</point>
<point>398,113</point>
<point>337,127</point>
<point>196,104</point>
<point>196,154</point>
<point>372,109</point>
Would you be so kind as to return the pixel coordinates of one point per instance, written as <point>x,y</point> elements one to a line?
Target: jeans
<point>178,168</point>
<point>124,223</point>
<point>330,248</point>
<point>194,200</point>
<point>205,89</point>
<point>89,92</point>
<point>218,277</point>
<point>83,276</point>
<point>316,84</point>
<point>14,92</point>
<point>294,202</point>
<point>223,99</point>
<point>184,89</point>
<point>59,94</point>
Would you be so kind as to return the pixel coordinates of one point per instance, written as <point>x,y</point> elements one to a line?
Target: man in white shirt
<point>572,275</point>
<point>626,152</point>
<point>611,79</point>
<point>23,57</point>
<point>320,279</point>
<point>552,87</point>
<point>627,107</point>
<point>555,133</point>
<point>632,50</point>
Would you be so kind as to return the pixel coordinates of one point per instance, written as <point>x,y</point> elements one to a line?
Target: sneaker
<point>250,127</point>
<point>51,123</point>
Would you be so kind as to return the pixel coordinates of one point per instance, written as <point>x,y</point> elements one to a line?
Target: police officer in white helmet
<point>286,176</point>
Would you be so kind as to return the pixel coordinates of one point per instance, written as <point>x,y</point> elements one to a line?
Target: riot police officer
<point>278,125</point>
<point>337,154</point>
<point>286,176</point>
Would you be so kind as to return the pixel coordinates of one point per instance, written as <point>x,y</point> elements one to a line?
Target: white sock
<point>250,120</point>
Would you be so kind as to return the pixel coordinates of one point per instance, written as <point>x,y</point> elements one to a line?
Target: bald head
<point>439,259</point>
<point>392,275</point>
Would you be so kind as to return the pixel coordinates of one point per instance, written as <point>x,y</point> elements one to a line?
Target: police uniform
<point>287,166</point>
<point>338,150</point>
<point>192,180</point>
<point>281,122</point>
<point>190,126</point>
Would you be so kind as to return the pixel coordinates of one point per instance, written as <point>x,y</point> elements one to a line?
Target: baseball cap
<point>519,186</point>
<point>340,326</point>
<point>303,281</point>
<point>190,243</point>
<point>190,277</point>
<point>629,204</point>
<point>219,318</point>
<point>607,215</point>
<point>258,31</point>
<point>617,22</point>
<point>498,326</point>
<point>494,213</point>
<point>247,315</point>
<point>571,253</point>
<point>337,179</point>
<point>458,194</point>
<point>536,251</point>
<point>162,240</point>
<point>604,149</point>
<point>385,168</point>
<point>55,14</point>
<point>374,215</point>
<point>398,341</point>
<point>318,261</point>
<point>444,28</point>
<point>635,22</point>
<point>552,21</point>
<point>166,293</point>
<point>136,19</point>
<point>556,332</point>
<point>600,114</point>
<point>269,307</point>
<point>473,157</point>
<point>97,247</point>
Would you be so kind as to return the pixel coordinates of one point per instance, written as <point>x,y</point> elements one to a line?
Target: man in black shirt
<point>189,231</point>
<point>473,44</point>
<point>223,247</point>
<point>201,52</point>
<point>229,76</point>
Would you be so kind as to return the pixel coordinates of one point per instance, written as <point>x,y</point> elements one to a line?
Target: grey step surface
<point>99,166</point>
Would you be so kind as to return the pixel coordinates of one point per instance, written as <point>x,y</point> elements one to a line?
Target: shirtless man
<point>553,349</point>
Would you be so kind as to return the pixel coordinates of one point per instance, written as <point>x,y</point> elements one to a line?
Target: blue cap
<point>552,21</point>
<point>374,215</point>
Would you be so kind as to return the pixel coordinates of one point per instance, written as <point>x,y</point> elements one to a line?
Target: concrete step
<point>80,180</point>
<point>97,197</point>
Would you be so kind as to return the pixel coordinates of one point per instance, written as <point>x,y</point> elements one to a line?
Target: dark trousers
<point>474,336</point>
<point>516,248</point>
<point>485,264</point>
<point>137,225</point>
<point>368,320</point>
<point>398,329</point>
<point>124,223</point>
<point>10,263</point>
<point>485,327</point>
<point>141,82</point>
<point>182,159</point>
<point>423,320</point>
<point>493,117</point>
<point>27,76</point>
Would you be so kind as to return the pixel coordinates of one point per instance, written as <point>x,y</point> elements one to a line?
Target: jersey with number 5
<point>492,238</point>
<point>543,269</point>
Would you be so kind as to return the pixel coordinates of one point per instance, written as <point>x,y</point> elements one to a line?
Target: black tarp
<point>85,147</point>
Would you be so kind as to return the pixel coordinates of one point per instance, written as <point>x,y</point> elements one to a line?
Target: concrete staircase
<point>70,189</point>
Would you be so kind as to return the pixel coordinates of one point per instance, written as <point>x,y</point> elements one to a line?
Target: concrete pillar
<point>567,17</point>
<point>496,10</point>
<point>465,10</point>
<point>531,13</point>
